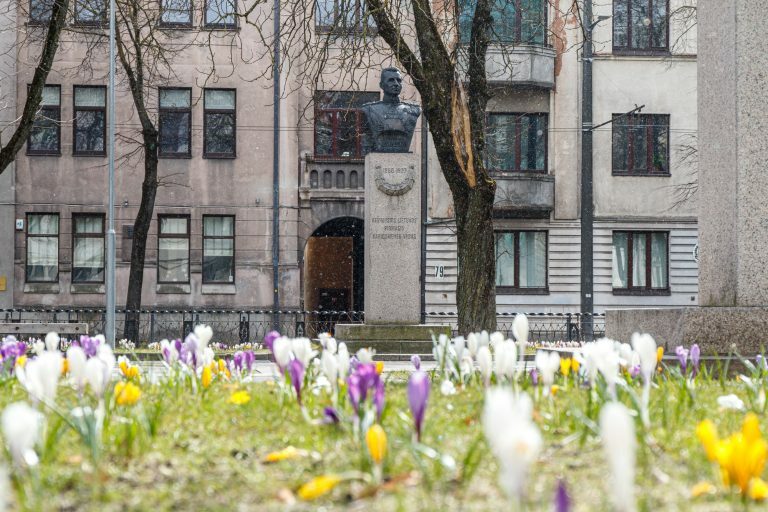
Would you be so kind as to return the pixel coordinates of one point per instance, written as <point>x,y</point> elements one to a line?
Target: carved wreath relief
<point>394,181</point>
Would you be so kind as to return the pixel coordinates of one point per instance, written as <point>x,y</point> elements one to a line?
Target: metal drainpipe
<point>424,169</point>
<point>587,206</point>
<point>276,173</point>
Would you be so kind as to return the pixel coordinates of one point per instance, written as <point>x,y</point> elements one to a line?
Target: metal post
<point>276,172</point>
<point>110,277</point>
<point>587,207</point>
<point>424,170</point>
<point>152,326</point>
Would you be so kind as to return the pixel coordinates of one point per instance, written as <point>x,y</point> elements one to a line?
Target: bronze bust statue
<point>391,122</point>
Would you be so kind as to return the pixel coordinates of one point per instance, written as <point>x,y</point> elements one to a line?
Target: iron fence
<point>241,326</point>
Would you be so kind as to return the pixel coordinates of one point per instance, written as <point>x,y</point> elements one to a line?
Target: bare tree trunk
<point>140,235</point>
<point>35,93</point>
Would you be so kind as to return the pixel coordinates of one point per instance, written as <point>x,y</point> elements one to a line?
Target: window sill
<point>641,292</point>
<point>44,153</point>
<point>180,156</point>
<point>224,28</point>
<point>93,288</point>
<point>175,26</point>
<point>628,52</point>
<point>642,175</point>
<point>509,290</point>
<point>219,157</point>
<point>90,155</point>
<point>170,288</point>
<point>42,288</point>
<point>219,289</point>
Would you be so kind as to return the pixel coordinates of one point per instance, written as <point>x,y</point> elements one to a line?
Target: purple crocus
<point>378,397</point>
<point>296,371</point>
<point>177,344</point>
<point>188,352</point>
<point>331,416</point>
<point>354,391</point>
<point>562,499</point>
<point>695,358</point>
<point>534,377</point>
<point>269,339</point>
<point>237,360</point>
<point>89,345</point>
<point>634,372</point>
<point>416,361</point>
<point>248,359</point>
<point>418,393</point>
<point>682,355</point>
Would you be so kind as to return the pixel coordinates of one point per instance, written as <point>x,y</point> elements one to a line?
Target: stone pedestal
<point>733,185</point>
<point>392,259</point>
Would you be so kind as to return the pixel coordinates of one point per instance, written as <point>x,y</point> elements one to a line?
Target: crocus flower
<point>365,355</point>
<point>343,358</point>
<point>318,486</point>
<point>330,367</point>
<point>296,372</point>
<point>617,433</point>
<point>378,398</point>
<point>237,360</point>
<point>281,349</point>
<point>302,350</point>
<point>505,359</point>
<point>354,391</point>
<point>565,366</point>
<point>485,364</point>
<point>682,356</point>
<point>40,376</point>
<point>331,416</point>
<point>52,340</point>
<point>206,377</point>
<point>695,358</point>
<point>534,377</point>
<point>269,339</point>
<point>513,437</point>
<point>248,359</point>
<point>730,402</point>
<point>473,344</point>
<point>416,361</point>
<point>520,330</point>
<point>562,499</point>
<point>127,393</point>
<point>204,334</point>
<point>547,363</point>
<point>89,345</point>
<point>376,440</point>
<point>77,361</point>
<point>418,394</point>
<point>239,397</point>
<point>645,346</point>
<point>21,428</point>
<point>169,351</point>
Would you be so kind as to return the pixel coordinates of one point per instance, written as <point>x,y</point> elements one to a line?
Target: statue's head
<point>391,81</point>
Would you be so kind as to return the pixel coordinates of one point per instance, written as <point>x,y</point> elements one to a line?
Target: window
<point>218,249</point>
<point>516,142</point>
<point>176,13</point>
<point>175,122</point>
<point>219,123</point>
<point>220,13</point>
<point>340,124</point>
<point>88,248</point>
<point>45,135</point>
<point>640,262</point>
<point>40,11</point>
<point>173,249</point>
<point>342,16</point>
<point>514,21</point>
<point>42,248</point>
<point>640,25</point>
<point>521,262</point>
<point>90,12</point>
<point>641,144</point>
<point>90,126</point>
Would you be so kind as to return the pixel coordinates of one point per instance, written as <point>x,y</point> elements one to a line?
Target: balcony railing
<point>332,179</point>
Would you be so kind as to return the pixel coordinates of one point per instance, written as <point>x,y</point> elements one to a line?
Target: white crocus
<point>365,355</point>
<point>466,366</point>
<point>282,350</point>
<point>96,375</point>
<point>343,358</point>
<point>330,367</point>
<point>329,344</point>
<point>513,437</point>
<point>459,345</point>
<point>506,359</point>
<point>484,339</point>
<point>730,402</point>
<point>495,338</point>
<point>625,355</point>
<point>302,350</point>
<point>485,364</point>
<point>645,346</point>
<point>447,388</point>
<point>606,361</point>
<point>76,359</point>
<point>473,344</point>
<point>547,363</point>
<point>38,347</point>
<point>22,425</point>
<point>520,331</point>
<point>40,376</point>
<point>617,433</point>
<point>52,340</point>
<point>440,349</point>
<point>170,348</point>
<point>204,334</point>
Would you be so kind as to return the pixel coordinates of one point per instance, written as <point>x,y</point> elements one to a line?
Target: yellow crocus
<point>565,366</point>
<point>554,389</point>
<point>286,453</point>
<point>128,370</point>
<point>702,488</point>
<point>659,354</point>
<point>127,393</point>
<point>64,366</point>
<point>758,490</point>
<point>21,361</point>
<point>575,365</point>
<point>318,486</point>
<point>376,439</point>
<point>379,367</point>
<point>207,376</point>
<point>239,397</point>
<point>707,434</point>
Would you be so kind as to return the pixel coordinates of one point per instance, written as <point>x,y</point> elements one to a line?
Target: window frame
<point>187,110</point>
<point>26,247</point>
<point>630,145</point>
<point>516,289</point>
<point>340,29</point>
<point>101,235</point>
<point>75,110</point>
<point>89,23</point>
<point>176,24</point>
<point>359,128</point>
<point>234,242</point>
<point>629,50</point>
<point>518,142</point>
<point>220,26</point>
<point>57,152</point>
<point>206,111</point>
<point>187,237</point>
<point>647,289</point>
<point>36,21</point>
<point>518,39</point>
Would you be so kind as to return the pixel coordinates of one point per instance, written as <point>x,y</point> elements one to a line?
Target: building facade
<point>222,139</point>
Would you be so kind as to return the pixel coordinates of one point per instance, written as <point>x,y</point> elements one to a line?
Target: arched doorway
<point>333,270</point>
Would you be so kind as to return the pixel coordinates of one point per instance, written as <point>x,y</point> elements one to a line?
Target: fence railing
<point>242,326</point>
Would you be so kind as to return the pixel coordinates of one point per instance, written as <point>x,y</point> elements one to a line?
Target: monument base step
<point>716,329</point>
<point>400,340</point>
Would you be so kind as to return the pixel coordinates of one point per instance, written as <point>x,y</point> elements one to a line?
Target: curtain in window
<point>88,257</point>
<point>173,260</point>
<point>500,142</point>
<point>620,259</point>
<point>532,142</point>
<point>173,225</point>
<point>218,253</point>
<point>505,259</point>
<point>638,259</point>
<point>176,11</point>
<point>90,96</point>
<point>533,259</point>
<point>659,260</point>
<point>43,258</point>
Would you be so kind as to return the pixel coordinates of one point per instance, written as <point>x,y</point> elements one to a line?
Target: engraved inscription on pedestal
<point>394,181</point>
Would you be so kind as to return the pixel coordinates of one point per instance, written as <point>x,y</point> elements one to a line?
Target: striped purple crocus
<point>248,359</point>
<point>416,361</point>
<point>296,372</point>
<point>682,356</point>
<point>378,397</point>
<point>269,339</point>
<point>695,358</point>
<point>237,360</point>
<point>418,394</point>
